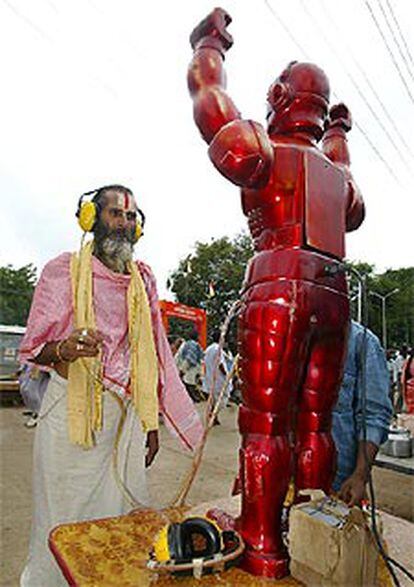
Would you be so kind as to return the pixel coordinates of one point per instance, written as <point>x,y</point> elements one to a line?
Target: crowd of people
<point>206,372</point>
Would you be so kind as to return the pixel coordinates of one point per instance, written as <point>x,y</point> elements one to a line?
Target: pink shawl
<point>51,318</point>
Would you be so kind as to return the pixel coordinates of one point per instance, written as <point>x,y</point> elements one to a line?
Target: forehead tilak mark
<point>125,201</point>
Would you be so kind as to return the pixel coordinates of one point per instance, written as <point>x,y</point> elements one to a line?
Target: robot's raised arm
<point>240,149</point>
<point>213,108</point>
<point>335,147</point>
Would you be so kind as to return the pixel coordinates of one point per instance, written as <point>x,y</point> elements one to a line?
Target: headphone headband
<point>87,213</point>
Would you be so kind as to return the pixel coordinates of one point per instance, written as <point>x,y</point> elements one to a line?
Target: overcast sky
<point>94,92</point>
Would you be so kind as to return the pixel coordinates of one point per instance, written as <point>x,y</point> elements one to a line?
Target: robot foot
<point>274,566</point>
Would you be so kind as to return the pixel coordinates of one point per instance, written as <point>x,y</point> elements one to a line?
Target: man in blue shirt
<point>189,359</point>
<point>352,468</point>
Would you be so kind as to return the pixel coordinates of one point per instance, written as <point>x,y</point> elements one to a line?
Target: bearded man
<point>96,326</point>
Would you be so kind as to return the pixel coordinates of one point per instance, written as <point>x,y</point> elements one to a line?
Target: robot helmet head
<point>298,100</point>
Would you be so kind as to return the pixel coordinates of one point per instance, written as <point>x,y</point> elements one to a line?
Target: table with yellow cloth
<point>113,552</point>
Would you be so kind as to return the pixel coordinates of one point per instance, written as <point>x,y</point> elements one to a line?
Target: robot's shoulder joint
<point>242,152</point>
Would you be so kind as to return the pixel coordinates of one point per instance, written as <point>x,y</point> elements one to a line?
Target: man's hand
<point>82,342</point>
<point>352,490</point>
<point>152,445</point>
<point>212,31</point>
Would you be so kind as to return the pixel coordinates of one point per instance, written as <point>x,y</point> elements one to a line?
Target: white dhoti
<point>72,484</point>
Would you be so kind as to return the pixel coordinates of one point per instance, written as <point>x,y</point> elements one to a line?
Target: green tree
<point>398,286</point>
<point>211,278</point>
<point>399,306</point>
<point>16,292</point>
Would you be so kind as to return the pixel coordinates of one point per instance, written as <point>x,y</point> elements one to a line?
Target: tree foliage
<point>399,306</point>
<point>16,292</point>
<point>398,287</point>
<point>212,276</point>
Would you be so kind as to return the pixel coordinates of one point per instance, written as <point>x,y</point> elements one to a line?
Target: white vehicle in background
<point>10,338</point>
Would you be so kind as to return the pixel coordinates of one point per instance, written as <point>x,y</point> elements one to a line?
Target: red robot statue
<point>299,201</point>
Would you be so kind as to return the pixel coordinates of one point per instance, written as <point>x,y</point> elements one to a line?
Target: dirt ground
<point>395,491</point>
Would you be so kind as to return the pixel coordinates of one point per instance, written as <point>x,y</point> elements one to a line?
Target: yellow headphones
<point>88,213</point>
<point>178,542</point>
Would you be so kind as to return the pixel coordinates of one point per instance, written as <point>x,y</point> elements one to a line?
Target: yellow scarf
<point>85,375</point>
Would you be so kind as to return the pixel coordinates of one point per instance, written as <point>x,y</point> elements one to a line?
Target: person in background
<point>393,376</point>
<point>176,344</point>
<point>407,382</point>
<point>400,357</point>
<point>189,359</point>
<point>218,366</point>
<point>32,385</point>
<point>347,422</point>
<point>399,362</point>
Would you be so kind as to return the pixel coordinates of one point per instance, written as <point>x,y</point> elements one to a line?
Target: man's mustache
<point>114,234</point>
<point>118,233</point>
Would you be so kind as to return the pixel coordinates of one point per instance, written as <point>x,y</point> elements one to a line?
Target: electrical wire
<point>357,125</point>
<point>91,75</point>
<point>363,354</point>
<point>286,29</point>
<point>377,152</point>
<point>390,8</point>
<point>28,21</point>
<point>212,407</point>
<point>396,41</point>
<point>211,410</point>
<point>391,54</point>
<point>356,85</point>
<point>122,35</point>
<point>389,561</point>
<point>367,80</point>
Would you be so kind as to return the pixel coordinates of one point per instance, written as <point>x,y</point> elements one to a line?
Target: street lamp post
<point>384,318</point>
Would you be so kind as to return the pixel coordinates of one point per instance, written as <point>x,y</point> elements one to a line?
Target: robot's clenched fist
<point>212,31</point>
<point>339,115</point>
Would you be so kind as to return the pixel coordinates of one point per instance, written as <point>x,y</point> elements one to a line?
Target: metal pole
<point>384,318</point>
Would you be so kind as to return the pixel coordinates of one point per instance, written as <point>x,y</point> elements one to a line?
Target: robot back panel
<point>302,205</point>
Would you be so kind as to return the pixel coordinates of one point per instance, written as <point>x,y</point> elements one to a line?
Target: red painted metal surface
<point>299,201</point>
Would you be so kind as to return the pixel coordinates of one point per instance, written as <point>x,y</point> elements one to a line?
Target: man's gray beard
<point>116,253</point>
<point>113,247</point>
